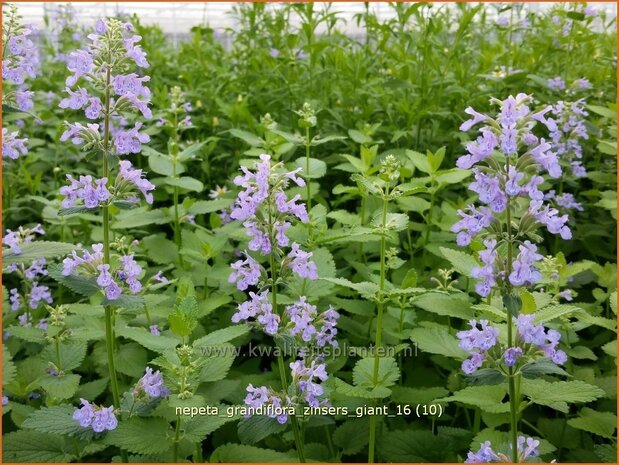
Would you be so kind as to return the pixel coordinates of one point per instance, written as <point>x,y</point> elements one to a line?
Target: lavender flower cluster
<point>95,193</point>
<point>13,239</point>
<point>20,61</point>
<point>151,384</point>
<point>91,264</point>
<point>527,448</point>
<point>97,418</point>
<point>267,214</point>
<point>569,132</point>
<point>532,342</point>
<point>507,160</point>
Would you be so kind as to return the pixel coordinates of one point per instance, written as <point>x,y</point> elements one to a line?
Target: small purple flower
<point>24,100</point>
<point>263,397</point>
<point>245,273</point>
<point>130,141</point>
<point>15,299</point>
<point>154,330</point>
<point>300,263</point>
<point>152,384</point>
<point>39,294</point>
<point>274,52</point>
<point>12,146</point>
<point>134,177</point>
<point>485,454</point>
<point>512,355</point>
<point>160,277</point>
<point>556,83</point>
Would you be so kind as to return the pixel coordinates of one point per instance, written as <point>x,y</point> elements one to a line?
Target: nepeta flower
<point>130,141</point>
<point>477,342</point>
<point>260,311</point>
<point>22,236</point>
<point>304,377</point>
<point>97,418</point>
<point>39,294</point>
<point>311,327</point>
<point>556,83</point>
<point>152,384</point>
<point>499,180</point>
<point>300,263</point>
<point>91,264</point>
<point>261,397</point>
<point>129,177</point>
<point>245,273</point>
<point>527,448</point>
<point>93,192</point>
<point>154,330</point>
<point>12,146</point>
<point>569,131</point>
<point>15,299</point>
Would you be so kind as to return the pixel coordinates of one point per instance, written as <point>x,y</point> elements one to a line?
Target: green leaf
<point>452,176</point>
<point>256,428</point>
<point>317,168</point>
<point>186,182</point>
<point>489,398</point>
<point>413,204</point>
<point>600,423</point>
<point>60,387</point>
<point>540,367</point>
<point>462,262</point>
<point>437,340</point>
<point>190,152</point>
<point>241,453</point>
<point>453,305</point>
<point>409,395</point>
<point>359,137</point>
<point>352,436</point>
<point>202,207</point>
<point>162,164</point>
<point>131,359</point>
<point>217,365</point>
<point>184,319</point>
<point>141,435</point>
<point>419,160</point>
<point>552,312</point>
<point>379,392</point>
<point>221,335</point>
<point>72,353</point>
<point>146,339</point>
<point>78,284</point>
<point>8,367</point>
<point>139,217</point>
<point>73,210</point>
<point>394,222</point>
<point>197,428</point>
<point>413,446</point>
<point>388,372</point>
<point>559,394</point>
<point>37,249</point>
<point>160,249</point>
<point>247,137</point>
<point>56,420</point>
<point>34,447</point>
<point>27,334</point>
<point>365,288</point>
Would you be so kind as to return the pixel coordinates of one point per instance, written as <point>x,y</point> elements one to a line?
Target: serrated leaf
<point>78,284</point>
<point>409,395</point>
<point>37,249</point>
<point>217,365</point>
<point>56,420</point>
<point>487,398</point>
<point>394,222</point>
<point>453,305</point>
<point>197,428</point>
<point>73,211</point>
<point>256,428</point>
<point>366,289</point>
<point>140,217</point>
<point>184,319</point>
<point>557,395</point>
<point>437,340</point>
<point>540,367</point>
<point>388,372</point>
<point>413,446</point>
<point>248,454</point>
<point>600,423</point>
<point>72,353</point>
<point>160,249</point>
<point>462,262</point>
<point>221,335</point>
<point>379,392</point>
<point>143,337</point>
<point>352,436</point>
<point>34,447</point>
<point>247,137</point>
<point>8,367</point>
<point>60,387</point>
<point>141,435</point>
<point>552,312</point>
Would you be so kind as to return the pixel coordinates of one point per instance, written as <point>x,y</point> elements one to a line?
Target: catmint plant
<point>508,161</point>
<point>527,449</point>
<point>267,213</point>
<point>106,67</point>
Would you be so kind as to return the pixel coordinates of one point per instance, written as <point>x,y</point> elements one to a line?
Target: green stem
<point>110,341</point>
<point>379,325</point>
<point>280,357</point>
<point>177,436</point>
<point>197,457</point>
<point>307,169</point>
<point>514,402</point>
